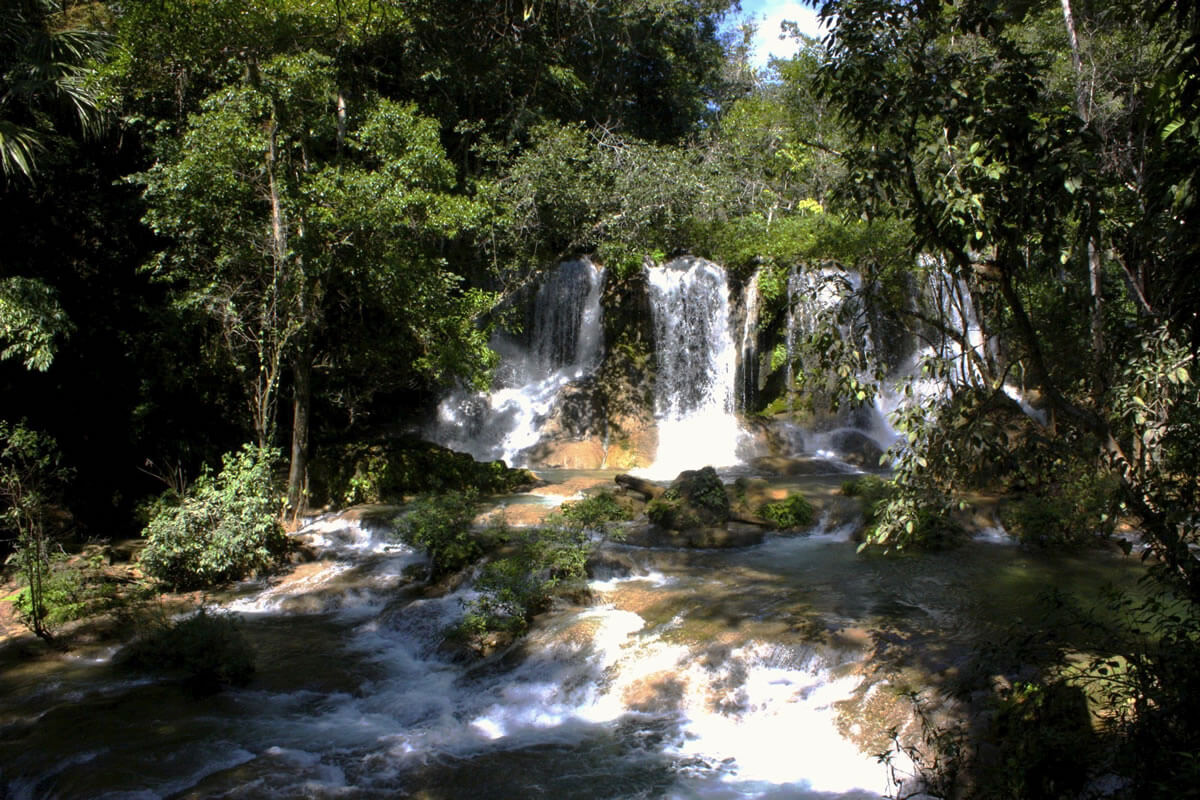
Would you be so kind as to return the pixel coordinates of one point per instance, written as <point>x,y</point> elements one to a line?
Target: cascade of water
<point>696,359</point>
<point>566,325</point>
<point>749,344</point>
<point>565,345</point>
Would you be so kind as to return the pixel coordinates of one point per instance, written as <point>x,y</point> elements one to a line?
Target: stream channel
<point>768,671</point>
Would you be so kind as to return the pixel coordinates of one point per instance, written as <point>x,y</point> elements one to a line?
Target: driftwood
<point>749,519</point>
<point>643,487</point>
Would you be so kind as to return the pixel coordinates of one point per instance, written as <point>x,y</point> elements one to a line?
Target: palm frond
<point>18,144</point>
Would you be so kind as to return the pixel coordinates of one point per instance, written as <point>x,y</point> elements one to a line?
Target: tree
<point>280,227</point>
<point>43,67</point>
<point>958,128</point>
<point>30,477</point>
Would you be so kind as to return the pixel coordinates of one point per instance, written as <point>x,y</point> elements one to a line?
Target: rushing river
<point>769,671</point>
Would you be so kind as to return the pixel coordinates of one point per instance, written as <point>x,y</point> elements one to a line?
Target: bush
<point>593,512</point>
<point>513,588</point>
<point>386,471</point>
<point>208,651</point>
<point>226,527</point>
<point>440,524</point>
<point>896,517</point>
<point>1080,506</point>
<point>791,514</point>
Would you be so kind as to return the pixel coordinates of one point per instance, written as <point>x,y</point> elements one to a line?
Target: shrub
<point>593,512</point>
<point>31,479</point>
<point>791,514</point>
<point>226,527</point>
<point>440,524</point>
<point>512,588</point>
<point>896,517</point>
<point>379,472</point>
<point>1078,507</point>
<point>208,651</point>
<point>66,595</point>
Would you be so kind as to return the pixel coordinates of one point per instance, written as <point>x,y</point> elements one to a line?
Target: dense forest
<point>248,241</point>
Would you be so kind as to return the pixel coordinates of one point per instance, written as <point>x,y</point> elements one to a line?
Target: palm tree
<point>43,76</point>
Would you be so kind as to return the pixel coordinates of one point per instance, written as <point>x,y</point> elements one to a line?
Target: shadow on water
<point>645,694</point>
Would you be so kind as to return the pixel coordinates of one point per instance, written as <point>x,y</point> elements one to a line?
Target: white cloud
<point>769,15</point>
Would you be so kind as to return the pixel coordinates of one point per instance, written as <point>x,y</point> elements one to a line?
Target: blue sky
<point>767,14</point>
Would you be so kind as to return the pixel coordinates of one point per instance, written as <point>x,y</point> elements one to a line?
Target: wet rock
<point>733,534</point>
<point>586,454</point>
<point>855,447</point>
<point>657,693</point>
<point>747,495</point>
<point>605,564</point>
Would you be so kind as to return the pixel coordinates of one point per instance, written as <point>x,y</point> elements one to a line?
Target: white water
<point>696,368</point>
<point>754,720</point>
<point>565,346</point>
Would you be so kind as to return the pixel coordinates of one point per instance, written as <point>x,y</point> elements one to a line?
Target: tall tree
<point>957,128</point>
<point>278,233</point>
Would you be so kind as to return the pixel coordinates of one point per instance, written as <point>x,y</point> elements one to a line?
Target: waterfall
<point>832,299</point>
<point>749,345</point>
<point>697,367</point>
<point>564,345</point>
<point>566,323</point>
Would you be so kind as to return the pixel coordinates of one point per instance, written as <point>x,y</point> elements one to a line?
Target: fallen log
<point>643,487</point>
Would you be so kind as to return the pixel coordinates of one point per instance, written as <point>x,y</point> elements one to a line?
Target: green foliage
<point>441,525</point>
<point>1043,733</point>
<point>793,513</point>
<point>31,476</point>
<point>387,471</point>
<point>1146,682</point>
<point>903,516</point>
<point>66,594</point>
<point>1075,507</point>
<point>31,319</point>
<point>208,651</point>
<point>226,527</point>
<point>535,566</point>
<point>594,511</point>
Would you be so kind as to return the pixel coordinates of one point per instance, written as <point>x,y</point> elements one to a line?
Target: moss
<point>791,514</point>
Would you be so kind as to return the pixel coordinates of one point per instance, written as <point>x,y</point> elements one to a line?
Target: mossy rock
<point>697,499</point>
<point>793,513</point>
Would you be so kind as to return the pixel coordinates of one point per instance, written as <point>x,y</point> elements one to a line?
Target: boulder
<point>695,499</point>
<point>855,447</point>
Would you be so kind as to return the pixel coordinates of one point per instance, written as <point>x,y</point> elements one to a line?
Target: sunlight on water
<point>696,357</point>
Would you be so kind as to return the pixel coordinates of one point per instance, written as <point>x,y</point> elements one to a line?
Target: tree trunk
<point>297,488</point>
<point>1095,266</point>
